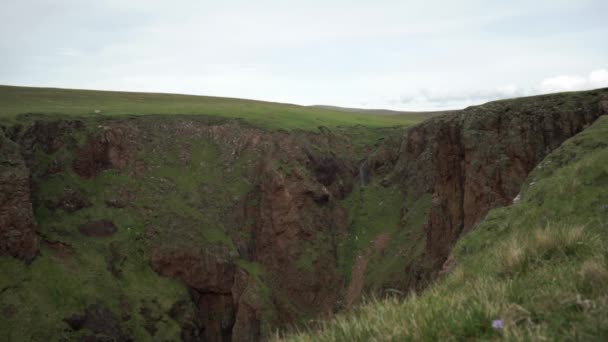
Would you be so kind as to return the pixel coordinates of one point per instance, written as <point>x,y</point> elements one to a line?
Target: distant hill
<point>387,112</point>
<point>77,102</point>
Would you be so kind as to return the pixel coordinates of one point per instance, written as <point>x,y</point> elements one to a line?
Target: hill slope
<point>537,270</point>
<point>72,102</point>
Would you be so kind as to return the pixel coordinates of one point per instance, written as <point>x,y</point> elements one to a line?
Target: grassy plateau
<point>21,100</point>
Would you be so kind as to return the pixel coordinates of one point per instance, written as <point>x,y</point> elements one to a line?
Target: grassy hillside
<point>74,271</point>
<point>20,100</point>
<point>537,270</point>
<point>387,112</point>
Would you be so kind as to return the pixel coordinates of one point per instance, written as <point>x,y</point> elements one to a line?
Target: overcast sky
<point>406,55</point>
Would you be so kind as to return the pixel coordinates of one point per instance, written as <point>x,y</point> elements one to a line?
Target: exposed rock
<point>287,221</point>
<point>248,318</point>
<point>100,228</point>
<point>101,321</point>
<point>182,313</point>
<point>604,106</point>
<point>17,224</point>
<point>48,136</point>
<point>210,275</point>
<point>208,269</point>
<point>60,249</point>
<point>102,152</point>
<point>476,160</point>
<point>216,313</point>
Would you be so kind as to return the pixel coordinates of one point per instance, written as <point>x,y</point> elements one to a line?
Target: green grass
<point>68,102</point>
<point>52,288</point>
<point>388,270</point>
<point>183,198</point>
<point>373,209</point>
<point>540,266</point>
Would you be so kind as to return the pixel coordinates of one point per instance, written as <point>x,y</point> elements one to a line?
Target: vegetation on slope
<point>537,270</point>
<point>375,211</point>
<point>74,271</point>
<point>22,100</point>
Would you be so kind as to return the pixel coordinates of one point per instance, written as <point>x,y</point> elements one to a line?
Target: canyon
<point>215,229</point>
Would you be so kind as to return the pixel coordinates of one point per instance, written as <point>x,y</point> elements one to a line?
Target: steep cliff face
<point>17,225</point>
<point>246,219</point>
<point>282,229</point>
<point>477,159</point>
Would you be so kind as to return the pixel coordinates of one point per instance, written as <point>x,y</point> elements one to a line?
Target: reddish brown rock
<point>60,250</point>
<point>101,322</point>
<point>249,303</point>
<point>100,228</point>
<point>293,210</point>
<point>295,215</point>
<point>104,151</point>
<point>477,159</point>
<point>17,225</point>
<point>206,269</point>
<point>209,272</point>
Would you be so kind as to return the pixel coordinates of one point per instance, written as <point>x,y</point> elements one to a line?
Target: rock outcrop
<point>17,225</point>
<point>103,151</point>
<point>477,159</point>
<point>100,228</point>
<point>286,225</point>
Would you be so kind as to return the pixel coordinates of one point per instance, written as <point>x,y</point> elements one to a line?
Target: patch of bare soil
<point>355,287</point>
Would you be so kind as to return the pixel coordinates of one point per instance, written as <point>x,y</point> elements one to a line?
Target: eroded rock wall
<point>17,224</point>
<point>285,226</point>
<point>477,159</point>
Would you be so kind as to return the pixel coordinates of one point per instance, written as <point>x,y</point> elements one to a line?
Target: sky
<point>401,55</point>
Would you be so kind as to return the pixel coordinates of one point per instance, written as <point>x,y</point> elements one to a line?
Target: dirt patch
<point>60,250</point>
<point>101,228</point>
<point>355,287</point>
<point>101,321</point>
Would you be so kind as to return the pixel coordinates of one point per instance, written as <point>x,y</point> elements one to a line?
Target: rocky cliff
<point>476,160</point>
<point>246,219</point>
<point>17,225</point>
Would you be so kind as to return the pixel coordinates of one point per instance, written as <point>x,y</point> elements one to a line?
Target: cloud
<point>595,79</point>
<point>441,98</point>
<point>438,99</point>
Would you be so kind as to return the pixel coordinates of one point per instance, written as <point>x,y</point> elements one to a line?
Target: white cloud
<point>595,79</point>
<point>599,78</point>
<point>437,98</point>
